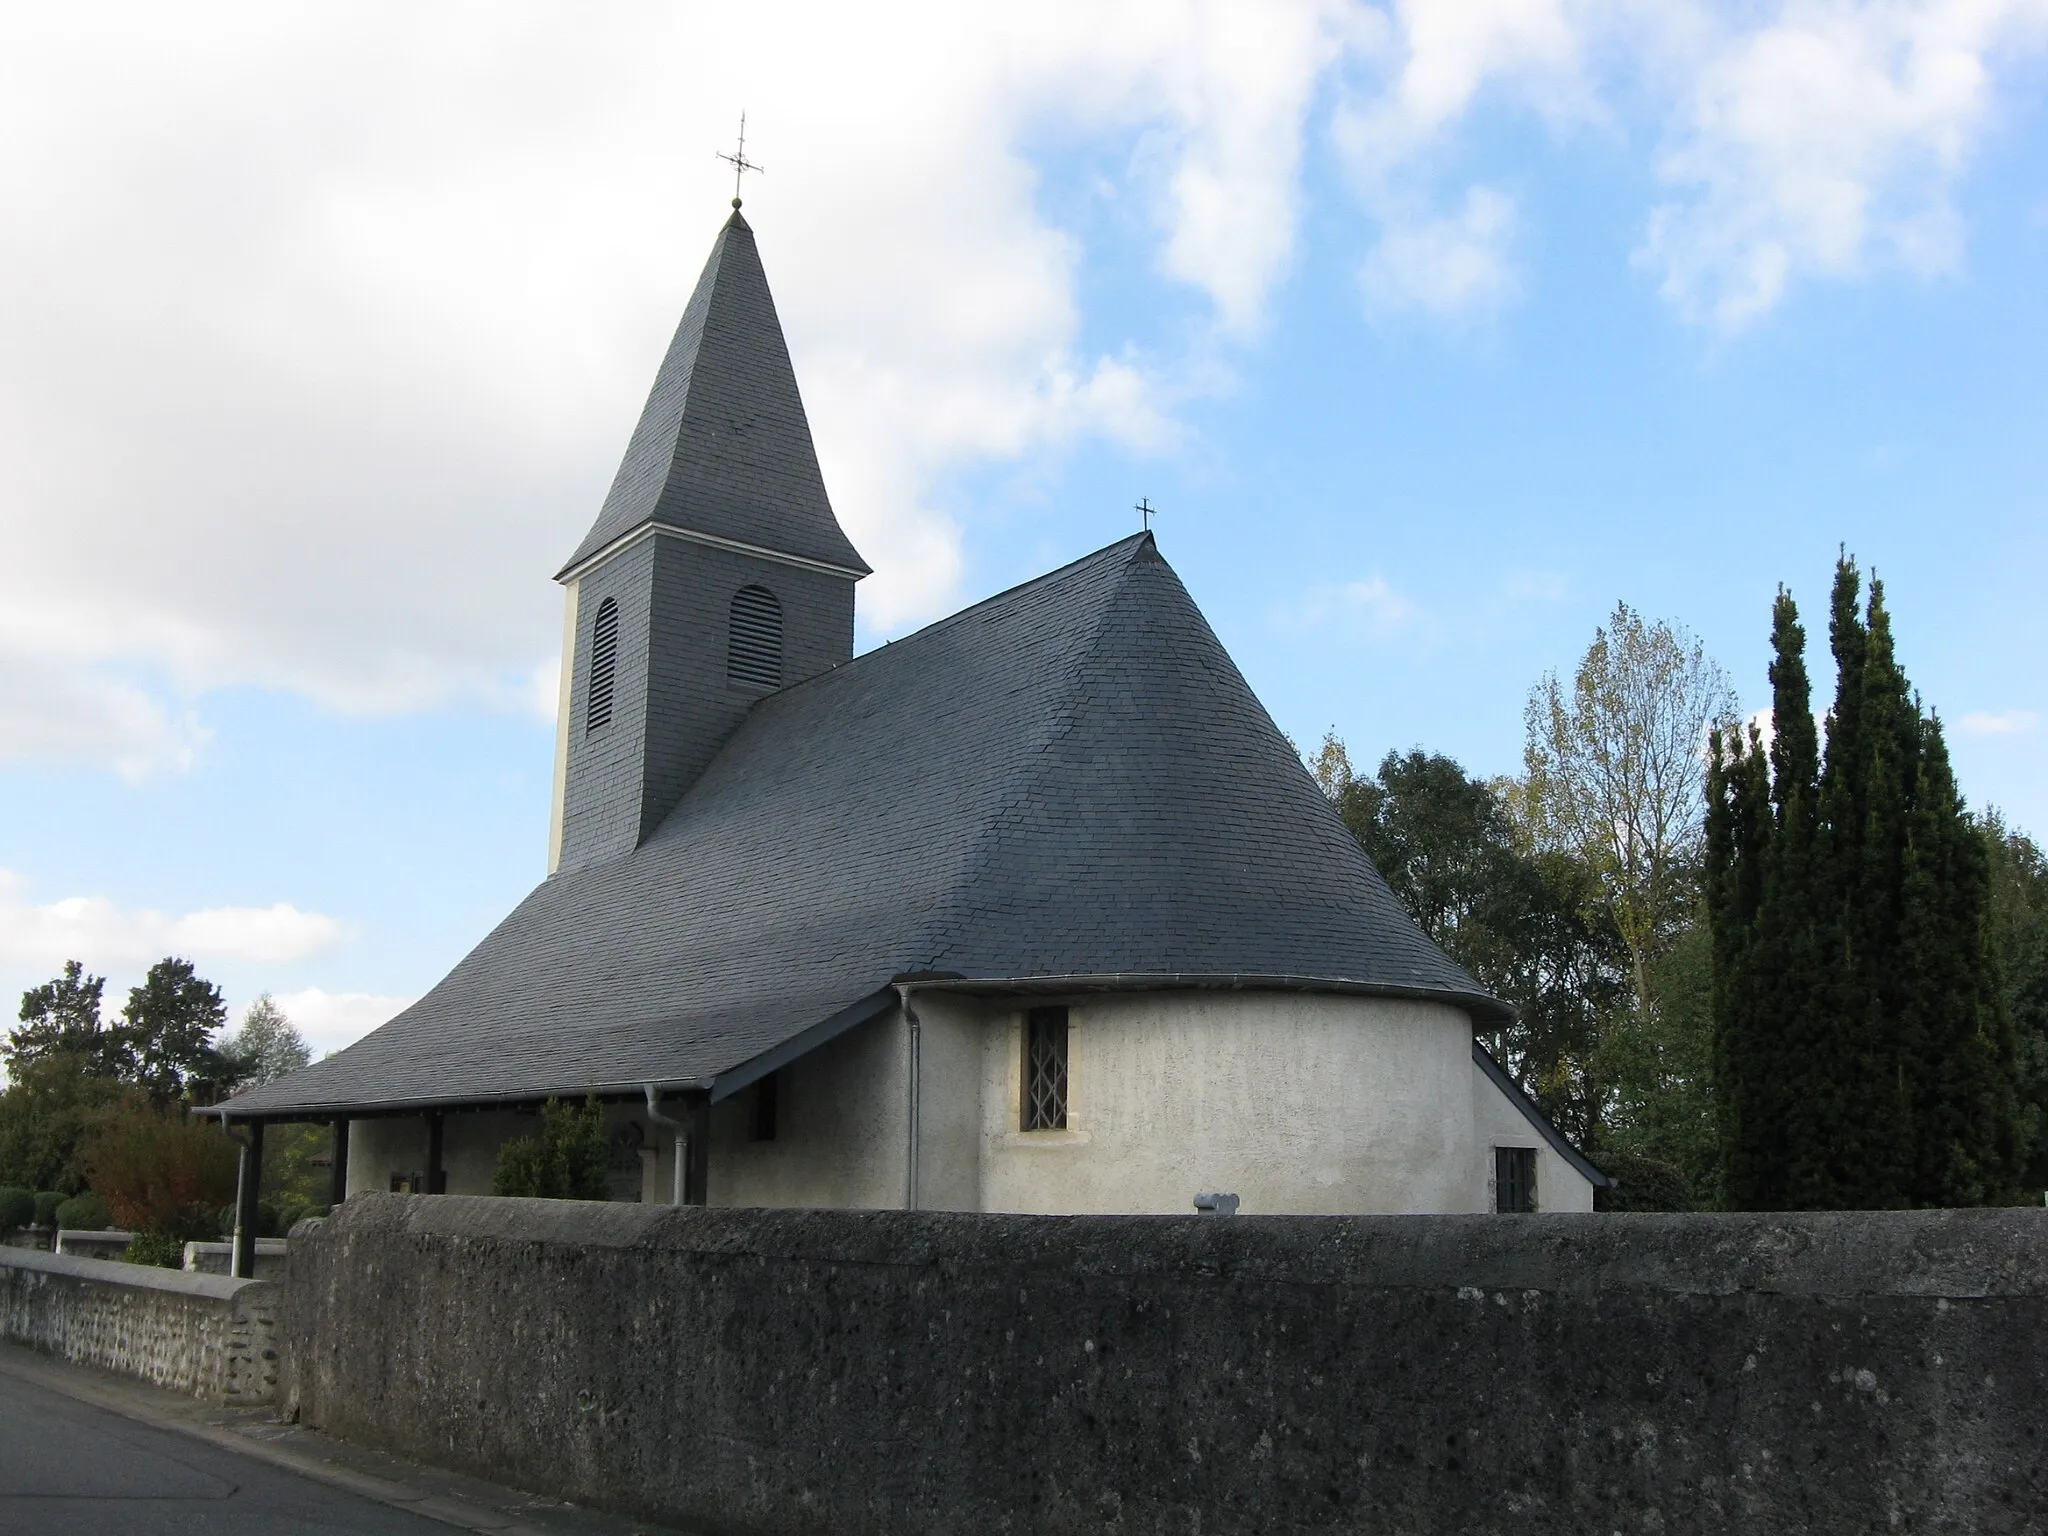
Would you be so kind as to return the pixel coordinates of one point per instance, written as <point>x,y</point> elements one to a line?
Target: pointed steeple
<point>723,449</point>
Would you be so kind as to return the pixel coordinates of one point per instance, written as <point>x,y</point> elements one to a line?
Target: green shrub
<point>47,1201</point>
<point>1643,1183</point>
<point>85,1213</point>
<point>163,1249</point>
<point>569,1160</point>
<point>17,1209</point>
<point>269,1223</point>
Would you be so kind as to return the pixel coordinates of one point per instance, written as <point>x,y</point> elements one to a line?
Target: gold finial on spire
<point>739,162</point>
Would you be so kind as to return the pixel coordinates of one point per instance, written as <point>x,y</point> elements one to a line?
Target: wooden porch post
<point>437,1176</point>
<point>337,1176</point>
<point>248,1181</point>
<point>697,1177</point>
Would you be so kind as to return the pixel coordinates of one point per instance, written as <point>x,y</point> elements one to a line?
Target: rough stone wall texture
<point>845,1372</point>
<point>204,1334</point>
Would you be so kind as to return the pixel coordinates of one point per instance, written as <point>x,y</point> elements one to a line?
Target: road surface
<point>67,1466</point>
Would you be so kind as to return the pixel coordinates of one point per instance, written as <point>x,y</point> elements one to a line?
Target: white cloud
<point>341,315</point>
<point>53,710</point>
<point>2003,722</point>
<point>544,687</point>
<point>1372,605</point>
<point>106,936</point>
<point>1797,138</point>
<point>1821,142</point>
<point>1446,267</point>
<point>327,1021</point>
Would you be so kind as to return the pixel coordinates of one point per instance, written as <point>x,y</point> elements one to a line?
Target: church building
<point>1033,910</point>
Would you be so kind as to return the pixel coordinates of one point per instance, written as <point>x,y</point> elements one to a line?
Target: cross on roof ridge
<point>739,162</point>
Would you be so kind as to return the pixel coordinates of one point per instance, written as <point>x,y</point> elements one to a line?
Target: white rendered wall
<point>1499,1123</point>
<point>1294,1103</point>
<point>839,1138</point>
<point>379,1147</point>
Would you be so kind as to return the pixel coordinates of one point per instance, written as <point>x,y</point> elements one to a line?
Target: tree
<point>568,1160</point>
<point>266,1047</point>
<point>47,1113</point>
<point>1616,774</point>
<point>165,1177</point>
<point>1865,1054</point>
<point>2018,874</point>
<point>63,1018</point>
<point>1525,924</point>
<point>168,1025</point>
<point>1762,833</point>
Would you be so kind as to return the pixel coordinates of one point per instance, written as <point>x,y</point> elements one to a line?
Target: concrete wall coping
<point>1840,1253</point>
<point>147,1277</point>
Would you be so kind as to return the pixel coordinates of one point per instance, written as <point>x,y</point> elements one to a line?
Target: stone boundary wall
<point>204,1334</point>
<point>853,1372</point>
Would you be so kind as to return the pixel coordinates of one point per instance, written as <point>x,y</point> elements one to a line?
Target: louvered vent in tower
<point>753,656</point>
<point>604,663</point>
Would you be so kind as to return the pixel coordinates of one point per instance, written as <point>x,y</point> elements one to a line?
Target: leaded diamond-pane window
<point>1045,1070</point>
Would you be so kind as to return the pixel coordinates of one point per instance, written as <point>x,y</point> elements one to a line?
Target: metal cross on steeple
<point>1145,511</point>
<point>739,162</point>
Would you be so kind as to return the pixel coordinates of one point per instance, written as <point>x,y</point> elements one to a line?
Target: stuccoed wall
<point>204,1334</point>
<point>1295,1103</point>
<point>1497,1122</point>
<point>849,1372</point>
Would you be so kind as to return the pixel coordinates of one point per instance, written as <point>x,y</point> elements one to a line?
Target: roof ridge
<point>939,625</point>
<point>932,938</point>
<point>1044,578</point>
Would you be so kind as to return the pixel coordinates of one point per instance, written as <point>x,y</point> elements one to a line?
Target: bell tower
<point>715,573</point>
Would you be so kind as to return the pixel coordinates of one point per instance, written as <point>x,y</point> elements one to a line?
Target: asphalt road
<point>68,1466</point>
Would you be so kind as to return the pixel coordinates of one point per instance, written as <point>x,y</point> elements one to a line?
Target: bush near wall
<point>17,1209</point>
<point>84,1213</point>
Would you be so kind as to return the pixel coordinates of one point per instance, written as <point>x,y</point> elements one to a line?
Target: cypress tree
<point>1858,1010</point>
<point>1789,964</point>
<point>1958,1047</point>
<point>1748,1068</point>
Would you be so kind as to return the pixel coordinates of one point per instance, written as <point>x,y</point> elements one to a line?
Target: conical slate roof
<point>1068,781</point>
<point>723,448</point>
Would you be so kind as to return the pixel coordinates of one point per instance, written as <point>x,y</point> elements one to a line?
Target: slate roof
<point>1069,780</point>
<point>723,447</point>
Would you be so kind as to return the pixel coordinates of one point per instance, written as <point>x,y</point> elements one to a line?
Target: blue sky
<point>1433,331</point>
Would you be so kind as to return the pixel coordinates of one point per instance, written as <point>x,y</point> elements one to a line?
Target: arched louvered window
<point>604,663</point>
<point>753,656</point>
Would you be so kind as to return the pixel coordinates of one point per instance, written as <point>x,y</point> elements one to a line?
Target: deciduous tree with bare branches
<point>1616,776</point>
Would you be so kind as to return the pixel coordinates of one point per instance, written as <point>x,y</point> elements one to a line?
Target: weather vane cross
<point>1145,511</point>
<point>739,162</point>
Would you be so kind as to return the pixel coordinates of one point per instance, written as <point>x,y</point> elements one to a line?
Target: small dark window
<point>604,663</point>
<point>767,1091</point>
<point>753,656</point>
<point>1045,1070</point>
<point>1514,1179</point>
